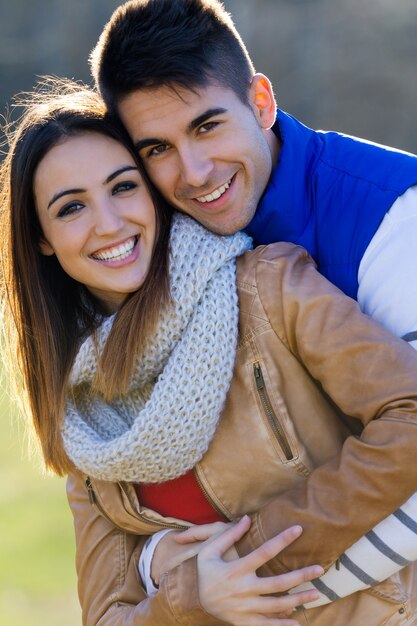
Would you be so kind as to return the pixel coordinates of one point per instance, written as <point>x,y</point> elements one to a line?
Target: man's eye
<point>124,186</point>
<point>158,149</point>
<point>70,209</point>
<point>207,127</point>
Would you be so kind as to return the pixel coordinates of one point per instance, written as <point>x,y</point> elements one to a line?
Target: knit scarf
<point>164,424</point>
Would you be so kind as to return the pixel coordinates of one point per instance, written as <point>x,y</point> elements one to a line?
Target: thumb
<point>200,532</point>
<point>227,539</point>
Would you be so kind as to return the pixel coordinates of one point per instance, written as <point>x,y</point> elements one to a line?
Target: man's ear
<point>262,100</point>
<point>45,248</point>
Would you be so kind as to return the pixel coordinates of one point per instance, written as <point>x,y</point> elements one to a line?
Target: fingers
<point>269,549</point>
<point>284,605</point>
<point>227,538</point>
<point>200,533</point>
<point>284,582</point>
<point>176,560</point>
<point>276,622</point>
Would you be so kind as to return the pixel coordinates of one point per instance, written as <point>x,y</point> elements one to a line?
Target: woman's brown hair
<point>47,313</point>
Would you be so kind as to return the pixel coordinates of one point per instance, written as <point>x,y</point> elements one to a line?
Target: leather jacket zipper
<point>94,501</point>
<point>218,510</point>
<point>270,413</point>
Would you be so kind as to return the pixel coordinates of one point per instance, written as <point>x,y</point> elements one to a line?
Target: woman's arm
<point>109,586</point>
<point>111,593</point>
<point>370,375</point>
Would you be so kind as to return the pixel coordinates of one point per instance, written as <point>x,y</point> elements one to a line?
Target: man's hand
<point>232,592</point>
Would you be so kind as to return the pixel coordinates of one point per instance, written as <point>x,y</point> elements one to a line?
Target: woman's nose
<point>107,218</point>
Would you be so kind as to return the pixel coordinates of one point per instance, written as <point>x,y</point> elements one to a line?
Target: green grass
<point>37,572</point>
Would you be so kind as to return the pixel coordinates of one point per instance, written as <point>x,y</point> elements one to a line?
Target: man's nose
<point>107,218</point>
<point>196,168</point>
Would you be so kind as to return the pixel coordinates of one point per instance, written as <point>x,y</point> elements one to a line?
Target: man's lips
<point>217,197</point>
<point>216,193</point>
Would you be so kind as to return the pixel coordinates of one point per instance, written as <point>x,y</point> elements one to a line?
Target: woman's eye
<point>124,186</point>
<point>70,209</point>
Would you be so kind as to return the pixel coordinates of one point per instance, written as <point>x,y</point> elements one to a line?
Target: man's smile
<point>214,195</point>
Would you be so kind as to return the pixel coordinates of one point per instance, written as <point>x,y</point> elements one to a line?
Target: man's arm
<point>370,375</point>
<point>387,272</point>
<point>331,332</point>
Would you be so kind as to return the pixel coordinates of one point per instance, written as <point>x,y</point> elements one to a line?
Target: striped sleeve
<point>386,549</point>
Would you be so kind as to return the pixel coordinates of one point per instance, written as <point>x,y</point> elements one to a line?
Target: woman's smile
<point>119,254</point>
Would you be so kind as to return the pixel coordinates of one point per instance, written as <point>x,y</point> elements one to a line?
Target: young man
<point>205,125</point>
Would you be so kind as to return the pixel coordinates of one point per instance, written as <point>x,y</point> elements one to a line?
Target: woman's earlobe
<point>262,100</point>
<point>45,248</point>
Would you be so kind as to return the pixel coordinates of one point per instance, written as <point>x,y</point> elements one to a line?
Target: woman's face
<point>96,215</point>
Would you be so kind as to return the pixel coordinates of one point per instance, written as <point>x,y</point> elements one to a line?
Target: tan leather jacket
<point>281,452</point>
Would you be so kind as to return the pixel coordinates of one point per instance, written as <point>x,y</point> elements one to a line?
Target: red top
<point>181,498</point>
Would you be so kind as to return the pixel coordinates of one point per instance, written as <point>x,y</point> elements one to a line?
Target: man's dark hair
<point>178,43</point>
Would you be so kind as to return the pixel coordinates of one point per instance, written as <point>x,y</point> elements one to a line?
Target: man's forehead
<point>177,94</point>
<point>160,111</point>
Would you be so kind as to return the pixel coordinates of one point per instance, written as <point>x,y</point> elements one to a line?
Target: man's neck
<point>274,144</point>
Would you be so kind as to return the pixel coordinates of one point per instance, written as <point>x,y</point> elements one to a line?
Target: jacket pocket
<point>271,414</point>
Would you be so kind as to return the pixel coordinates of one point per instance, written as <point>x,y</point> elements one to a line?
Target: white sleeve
<point>388,271</point>
<point>145,561</point>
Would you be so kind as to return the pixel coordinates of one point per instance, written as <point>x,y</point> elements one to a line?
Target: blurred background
<point>344,65</point>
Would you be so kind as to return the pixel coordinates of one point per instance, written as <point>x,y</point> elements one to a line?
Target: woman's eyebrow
<point>112,176</point>
<point>66,192</point>
<point>126,168</point>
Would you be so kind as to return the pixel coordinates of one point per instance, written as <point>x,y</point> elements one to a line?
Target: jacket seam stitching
<point>281,337</point>
<point>122,560</point>
<point>171,605</point>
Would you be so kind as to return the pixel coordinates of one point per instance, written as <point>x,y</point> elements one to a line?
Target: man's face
<point>205,150</point>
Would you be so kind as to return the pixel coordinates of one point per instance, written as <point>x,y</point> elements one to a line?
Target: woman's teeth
<point>118,253</point>
<point>215,194</point>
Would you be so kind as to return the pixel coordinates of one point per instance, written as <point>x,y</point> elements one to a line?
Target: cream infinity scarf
<point>163,426</point>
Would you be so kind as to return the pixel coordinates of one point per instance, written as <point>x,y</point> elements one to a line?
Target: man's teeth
<point>215,194</point>
<point>118,253</point>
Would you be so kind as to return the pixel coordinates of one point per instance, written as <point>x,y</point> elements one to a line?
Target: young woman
<point>156,364</point>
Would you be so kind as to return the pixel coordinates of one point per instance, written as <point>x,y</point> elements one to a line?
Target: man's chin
<point>231,225</point>
<point>218,226</point>
<point>224,224</point>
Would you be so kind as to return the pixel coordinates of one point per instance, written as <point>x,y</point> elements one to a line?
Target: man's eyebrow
<point>151,141</point>
<point>155,141</point>
<point>204,117</point>
<point>66,192</point>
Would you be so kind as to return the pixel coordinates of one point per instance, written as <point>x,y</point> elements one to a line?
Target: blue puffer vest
<point>329,193</point>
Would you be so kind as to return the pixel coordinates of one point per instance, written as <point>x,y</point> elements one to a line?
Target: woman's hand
<point>232,592</point>
<point>176,547</point>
